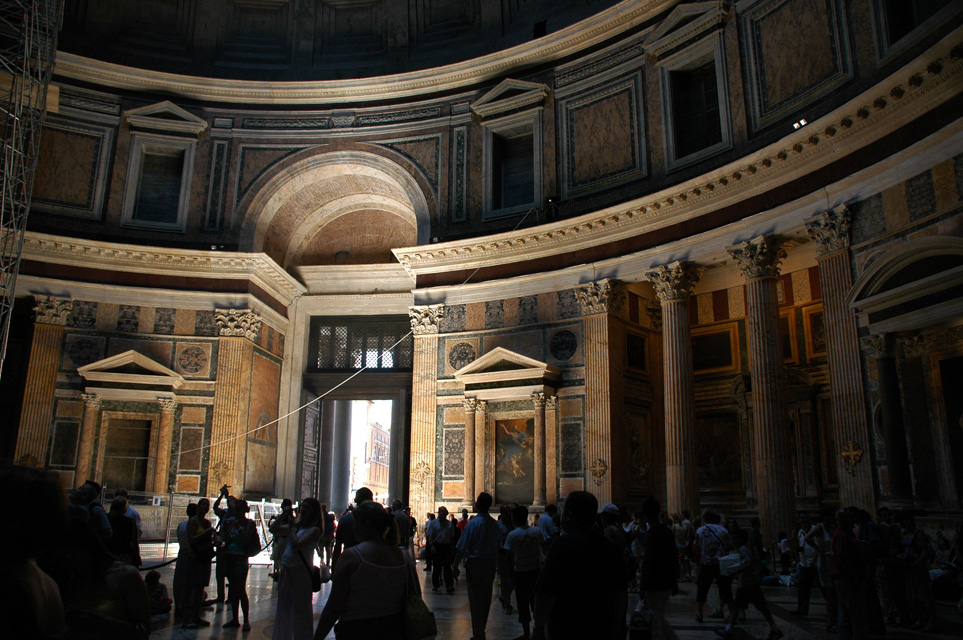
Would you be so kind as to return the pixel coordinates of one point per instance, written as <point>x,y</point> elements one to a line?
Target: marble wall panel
<point>565,345</point>
<point>265,389</point>
<point>944,184</point>
<point>259,467</point>
<point>69,409</point>
<point>567,305</point>
<point>193,415</point>
<point>204,324</point>
<point>454,320</point>
<point>570,445</point>
<point>921,196</point>
<point>475,316</point>
<point>454,452</point>
<point>145,320</point>
<point>568,485</point>
<point>547,307</point>
<point>71,174</point>
<point>737,301</point>
<point>128,318</point>
<point>255,160</point>
<point>801,288</point>
<point>188,484</point>
<point>510,312</point>
<point>424,151</point>
<point>868,218</point>
<point>159,351</point>
<point>704,310</point>
<point>494,314</point>
<point>528,309</point>
<point>527,343</point>
<point>164,321</point>
<point>80,349</point>
<point>83,315</point>
<point>895,207</point>
<point>572,407</point>
<point>453,490</point>
<point>184,322</point>
<point>106,318</point>
<point>454,415</point>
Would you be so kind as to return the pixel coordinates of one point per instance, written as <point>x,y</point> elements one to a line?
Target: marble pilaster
<point>424,326</point>
<point>88,433</point>
<point>830,230</point>
<point>673,284</point>
<point>772,464</point>
<point>41,382</point>
<point>471,404</point>
<point>164,439</point>
<point>538,399</point>
<point>599,300</point>
<point>481,453</point>
<point>551,450</point>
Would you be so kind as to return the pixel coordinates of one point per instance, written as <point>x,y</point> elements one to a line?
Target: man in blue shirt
<point>479,545</point>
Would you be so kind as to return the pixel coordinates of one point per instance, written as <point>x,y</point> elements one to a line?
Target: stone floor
<point>452,614</point>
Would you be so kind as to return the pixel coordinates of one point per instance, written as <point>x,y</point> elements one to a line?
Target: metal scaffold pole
<point>28,44</point>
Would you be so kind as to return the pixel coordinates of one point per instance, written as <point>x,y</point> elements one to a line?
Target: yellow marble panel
<point>547,306</point>
<point>65,478</point>
<point>453,490</point>
<point>107,317</point>
<point>737,302</point>
<point>184,322</point>
<point>188,484</point>
<point>704,308</point>
<point>944,183</point>
<point>157,350</point>
<point>145,321</point>
<point>510,312</point>
<point>474,316</point>
<point>568,485</point>
<point>801,291</point>
<point>895,207</point>
<point>70,409</point>
<point>455,415</point>
<point>193,415</point>
<point>570,408</point>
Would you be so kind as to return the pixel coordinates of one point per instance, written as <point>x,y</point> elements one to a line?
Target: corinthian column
<point>232,395</point>
<point>88,432</point>
<point>424,401</point>
<point>471,404</point>
<point>598,300</point>
<point>673,284</point>
<point>538,399</point>
<point>166,436</point>
<point>41,382</point>
<point>551,449</point>
<point>771,455</point>
<point>830,230</point>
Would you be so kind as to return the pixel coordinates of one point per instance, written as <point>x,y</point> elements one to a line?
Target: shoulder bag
<point>419,620</point>
<point>317,579</point>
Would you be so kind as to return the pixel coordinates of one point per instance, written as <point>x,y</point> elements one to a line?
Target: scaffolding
<point>28,43</point>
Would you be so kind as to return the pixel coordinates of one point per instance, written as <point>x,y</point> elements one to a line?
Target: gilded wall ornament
<point>421,471</point>
<point>674,281</point>
<point>52,310</point>
<point>425,319</point>
<point>604,296</point>
<point>759,257</point>
<point>830,229</point>
<point>242,323</point>
<point>599,468</point>
<point>852,455</point>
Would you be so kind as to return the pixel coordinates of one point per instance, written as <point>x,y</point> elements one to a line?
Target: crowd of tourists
<point>76,576</point>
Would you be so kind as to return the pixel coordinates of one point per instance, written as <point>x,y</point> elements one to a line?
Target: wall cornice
<point>922,85</point>
<point>578,37</point>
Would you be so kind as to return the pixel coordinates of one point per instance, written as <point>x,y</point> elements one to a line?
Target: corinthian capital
<point>879,346</point>
<point>759,257</point>
<point>538,399</point>
<point>604,296</point>
<point>53,311</point>
<point>168,405</point>
<point>425,319</point>
<point>470,404</point>
<point>231,322</point>
<point>830,229</point>
<point>674,281</point>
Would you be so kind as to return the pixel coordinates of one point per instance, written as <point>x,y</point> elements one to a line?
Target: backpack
<point>252,542</point>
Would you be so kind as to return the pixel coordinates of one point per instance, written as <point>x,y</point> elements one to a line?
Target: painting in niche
<point>720,451</point>
<point>787,336</point>
<point>640,454</point>
<point>715,349</point>
<point>515,461</point>
<point>815,331</point>
<point>635,351</point>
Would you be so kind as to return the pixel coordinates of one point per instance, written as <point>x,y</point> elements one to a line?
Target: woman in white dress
<point>294,619</point>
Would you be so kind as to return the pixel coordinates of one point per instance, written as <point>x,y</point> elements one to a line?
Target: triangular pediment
<point>165,116</point>
<point>130,368</point>
<point>501,365</point>
<point>686,23</point>
<point>510,95</point>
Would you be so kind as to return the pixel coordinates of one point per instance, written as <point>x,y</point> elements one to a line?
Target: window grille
<point>349,345</point>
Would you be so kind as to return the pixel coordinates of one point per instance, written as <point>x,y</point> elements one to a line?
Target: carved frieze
<point>830,229</point>
<point>243,323</point>
<point>425,319</point>
<point>53,311</point>
<point>759,257</point>
<point>674,281</point>
<point>604,296</point>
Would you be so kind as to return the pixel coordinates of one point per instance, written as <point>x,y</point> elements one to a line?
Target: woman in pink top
<point>370,582</point>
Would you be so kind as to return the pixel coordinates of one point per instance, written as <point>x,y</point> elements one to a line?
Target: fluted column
<point>471,404</point>
<point>771,446</point>
<point>164,439</point>
<point>482,481</point>
<point>232,395</point>
<point>538,399</point>
<point>551,450</point>
<point>424,402</point>
<point>598,300</point>
<point>673,284</point>
<point>88,433</point>
<point>41,382</point>
<point>830,230</point>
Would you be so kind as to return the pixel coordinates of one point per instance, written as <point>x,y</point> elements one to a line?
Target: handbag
<point>419,619</point>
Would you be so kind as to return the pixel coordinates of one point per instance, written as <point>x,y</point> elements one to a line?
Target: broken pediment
<point>510,95</point>
<point>129,371</point>
<point>504,374</point>
<point>165,116</point>
<point>686,24</point>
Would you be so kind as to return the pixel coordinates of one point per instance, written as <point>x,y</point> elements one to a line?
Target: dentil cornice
<point>212,265</point>
<point>919,87</point>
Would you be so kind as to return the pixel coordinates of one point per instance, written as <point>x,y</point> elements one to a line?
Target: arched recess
<point>287,214</point>
<point>914,286</point>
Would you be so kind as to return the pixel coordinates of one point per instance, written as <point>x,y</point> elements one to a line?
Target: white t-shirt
<point>438,534</point>
<point>526,544</point>
<point>547,526</point>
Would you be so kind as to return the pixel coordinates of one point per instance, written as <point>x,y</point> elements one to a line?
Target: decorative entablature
<point>257,269</point>
<point>129,376</point>
<point>167,117</point>
<point>509,96</point>
<point>501,374</point>
<point>686,24</point>
<point>921,86</point>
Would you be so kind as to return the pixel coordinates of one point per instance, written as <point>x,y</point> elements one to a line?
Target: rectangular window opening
<point>696,122</point>
<point>159,189</point>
